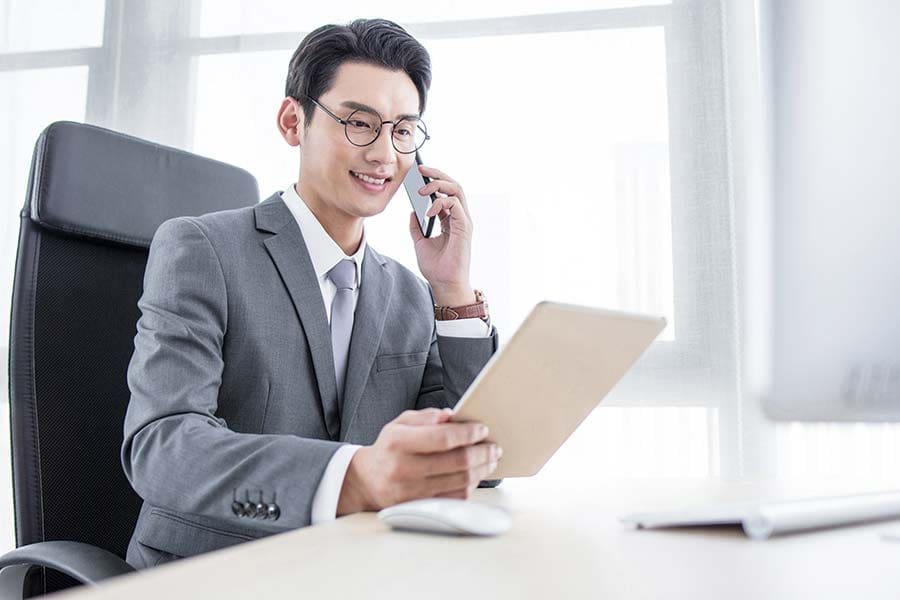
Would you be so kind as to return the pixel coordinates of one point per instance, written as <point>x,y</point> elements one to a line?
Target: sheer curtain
<point>607,147</point>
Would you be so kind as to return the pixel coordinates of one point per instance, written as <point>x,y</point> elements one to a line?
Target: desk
<point>566,542</point>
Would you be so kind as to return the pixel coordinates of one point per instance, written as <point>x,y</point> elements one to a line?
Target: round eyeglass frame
<point>346,122</point>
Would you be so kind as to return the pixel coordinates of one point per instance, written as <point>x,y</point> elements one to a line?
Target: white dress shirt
<point>324,253</point>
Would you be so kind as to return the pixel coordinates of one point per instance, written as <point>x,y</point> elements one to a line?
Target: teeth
<point>368,179</point>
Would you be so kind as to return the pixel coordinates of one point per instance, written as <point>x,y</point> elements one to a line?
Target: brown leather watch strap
<point>479,309</point>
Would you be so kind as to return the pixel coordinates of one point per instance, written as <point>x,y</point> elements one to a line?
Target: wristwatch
<point>469,311</point>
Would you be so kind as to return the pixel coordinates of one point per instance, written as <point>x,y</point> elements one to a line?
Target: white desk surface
<point>566,542</point>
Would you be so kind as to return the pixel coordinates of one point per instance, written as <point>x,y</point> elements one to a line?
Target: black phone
<point>413,182</point>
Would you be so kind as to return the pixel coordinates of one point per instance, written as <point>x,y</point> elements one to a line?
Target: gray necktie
<point>343,275</point>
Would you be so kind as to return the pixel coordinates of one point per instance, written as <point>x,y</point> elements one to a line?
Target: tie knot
<point>343,275</point>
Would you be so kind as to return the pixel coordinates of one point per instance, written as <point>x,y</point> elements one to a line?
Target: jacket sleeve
<point>177,453</point>
<point>453,363</point>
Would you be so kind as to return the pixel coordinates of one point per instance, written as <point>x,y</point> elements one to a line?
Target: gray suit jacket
<point>232,377</point>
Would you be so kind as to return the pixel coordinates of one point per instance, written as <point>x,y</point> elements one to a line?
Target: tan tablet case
<point>551,374</point>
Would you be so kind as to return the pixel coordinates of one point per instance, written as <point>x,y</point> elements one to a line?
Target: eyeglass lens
<point>363,128</point>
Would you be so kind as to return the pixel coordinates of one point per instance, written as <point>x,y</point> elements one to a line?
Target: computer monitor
<point>835,226</point>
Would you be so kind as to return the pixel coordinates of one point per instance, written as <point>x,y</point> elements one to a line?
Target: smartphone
<point>413,182</point>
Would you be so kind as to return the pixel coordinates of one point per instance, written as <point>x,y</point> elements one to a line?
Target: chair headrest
<point>93,182</point>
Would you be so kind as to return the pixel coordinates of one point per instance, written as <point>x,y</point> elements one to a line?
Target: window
<point>219,18</point>
<point>40,25</point>
<point>583,212</point>
<point>599,176</point>
<point>35,103</point>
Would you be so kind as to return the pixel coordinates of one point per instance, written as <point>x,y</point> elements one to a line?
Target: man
<point>284,372</point>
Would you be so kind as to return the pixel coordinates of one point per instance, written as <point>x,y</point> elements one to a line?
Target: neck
<point>346,230</point>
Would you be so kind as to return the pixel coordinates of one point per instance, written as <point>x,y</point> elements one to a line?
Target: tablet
<point>556,368</point>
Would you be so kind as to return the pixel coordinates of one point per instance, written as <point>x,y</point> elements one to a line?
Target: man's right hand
<point>418,455</point>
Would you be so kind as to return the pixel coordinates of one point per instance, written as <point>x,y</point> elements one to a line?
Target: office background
<point>613,150</point>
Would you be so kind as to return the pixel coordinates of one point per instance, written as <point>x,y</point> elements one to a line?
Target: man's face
<point>329,163</point>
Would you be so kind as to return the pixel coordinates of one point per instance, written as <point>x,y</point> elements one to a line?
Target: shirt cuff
<point>325,501</point>
<point>465,328</point>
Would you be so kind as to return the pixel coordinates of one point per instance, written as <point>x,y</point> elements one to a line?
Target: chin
<point>370,209</point>
<point>369,206</point>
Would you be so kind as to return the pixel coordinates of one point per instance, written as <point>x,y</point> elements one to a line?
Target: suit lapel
<point>368,325</point>
<point>288,251</point>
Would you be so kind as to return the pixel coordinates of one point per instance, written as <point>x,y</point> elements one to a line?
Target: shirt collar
<point>323,251</point>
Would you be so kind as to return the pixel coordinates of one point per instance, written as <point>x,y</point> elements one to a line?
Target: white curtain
<point>613,151</point>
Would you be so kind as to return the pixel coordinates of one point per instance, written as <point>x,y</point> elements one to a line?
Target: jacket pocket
<point>174,534</point>
<point>388,362</point>
<point>147,557</point>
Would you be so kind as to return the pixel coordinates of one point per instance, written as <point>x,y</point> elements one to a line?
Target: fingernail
<point>482,431</point>
<point>498,452</point>
<point>493,466</point>
<point>421,188</point>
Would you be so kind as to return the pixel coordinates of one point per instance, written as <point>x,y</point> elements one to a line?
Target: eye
<point>403,131</point>
<point>360,124</point>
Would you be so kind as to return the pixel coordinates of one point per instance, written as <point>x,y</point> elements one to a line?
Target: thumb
<point>414,230</point>
<point>426,416</point>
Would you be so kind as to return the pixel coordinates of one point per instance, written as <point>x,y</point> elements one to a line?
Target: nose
<point>382,150</point>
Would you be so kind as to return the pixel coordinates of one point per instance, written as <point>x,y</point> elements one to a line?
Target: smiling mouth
<point>370,180</point>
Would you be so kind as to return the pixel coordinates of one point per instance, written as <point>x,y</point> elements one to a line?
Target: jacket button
<point>274,511</point>
<point>237,508</point>
<point>260,511</point>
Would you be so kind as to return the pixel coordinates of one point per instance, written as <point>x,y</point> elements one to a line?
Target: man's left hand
<point>444,260</point>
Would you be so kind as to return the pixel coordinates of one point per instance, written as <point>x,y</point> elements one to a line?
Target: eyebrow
<point>360,106</point>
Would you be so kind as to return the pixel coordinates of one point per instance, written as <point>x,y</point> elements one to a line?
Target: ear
<point>290,121</point>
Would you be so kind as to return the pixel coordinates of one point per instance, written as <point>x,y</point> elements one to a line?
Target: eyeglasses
<point>362,127</point>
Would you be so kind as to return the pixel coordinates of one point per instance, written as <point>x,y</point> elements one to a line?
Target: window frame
<point>699,367</point>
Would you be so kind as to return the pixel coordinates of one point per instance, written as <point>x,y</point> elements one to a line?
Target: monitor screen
<point>835,217</point>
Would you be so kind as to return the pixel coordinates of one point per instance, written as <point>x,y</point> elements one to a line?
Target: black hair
<point>379,42</point>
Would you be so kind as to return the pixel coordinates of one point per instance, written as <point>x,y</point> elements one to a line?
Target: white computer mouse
<point>447,515</point>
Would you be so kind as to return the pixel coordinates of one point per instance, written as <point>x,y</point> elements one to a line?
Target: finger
<point>426,416</point>
<point>427,438</point>
<point>449,206</point>
<point>462,494</point>
<point>451,215</point>
<point>414,230</point>
<point>448,188</point>
<point>458,460</point>
<point>435,173</point>
<point>446,179</point>
<point>439,185</point>
<point>443,484</point>
<point>443,203</point>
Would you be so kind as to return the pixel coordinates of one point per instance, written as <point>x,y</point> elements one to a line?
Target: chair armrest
<point>83,562</point>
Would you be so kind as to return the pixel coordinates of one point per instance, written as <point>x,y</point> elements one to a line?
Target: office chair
<point>95,198</point>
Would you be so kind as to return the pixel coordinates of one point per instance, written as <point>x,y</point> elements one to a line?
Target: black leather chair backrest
<point>95,198</point>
